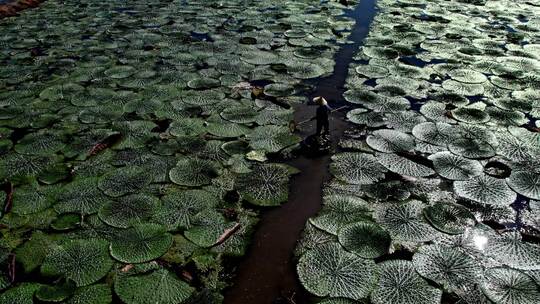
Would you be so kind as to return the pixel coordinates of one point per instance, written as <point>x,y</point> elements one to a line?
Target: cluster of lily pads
<point>436,192</point>
<point>132,133</point>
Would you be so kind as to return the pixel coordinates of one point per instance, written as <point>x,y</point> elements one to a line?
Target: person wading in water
<point>323,111</point>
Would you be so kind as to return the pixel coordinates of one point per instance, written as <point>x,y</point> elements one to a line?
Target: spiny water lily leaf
<point>206,228</point>
<point>120,72</point>
<point>279,90</point>
<point>466,89</point>
<point>434,133</point>
<point>272,138</point>
<point>455,167</point>
<point>83,261</point>
<point>124,180</point>
<point>31,199</point>
<point>510,249</point>
<point>187,127</point>
<point>449,218</point>
<point>329,270</point>
<point>389,141</point>
<point>58,292</point>
<point>61,91</point>
<point>265,185</point>
<point>32,253</point>
<point>340,210</point>
<point>129,210</point>
<point>468,76</point>
<point>193,172</point>
<point>399,283</point>
<point>222,128</point>
<point>486,190</point>
<point>356,168</point>
<point>337,301</point>
<point>312,237</point>
<point>361,96</point>
<point>41,143</point>
<point>93,294</point>
<point>21,294</point>
<point>158,287</point>
<point>364,117</point>
<point>14,165</point>
<point>140,243</point>
<point>470,115</point>
<point>202,98</point>
<point>135,134</point>
<point>240,114</point>
<point>180,206</point>
<point>82,196</point>
<point>372,71</point>
<point>403,166</point>
<point>509,286</point>
<point>365,239</point>
<point>526,183</point>
<point>405,223</point>
<point>446,266</point>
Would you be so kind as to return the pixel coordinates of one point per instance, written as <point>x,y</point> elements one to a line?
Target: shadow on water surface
<point>267,273</point>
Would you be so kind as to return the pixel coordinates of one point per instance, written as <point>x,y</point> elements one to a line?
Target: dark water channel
<point>267,273</point>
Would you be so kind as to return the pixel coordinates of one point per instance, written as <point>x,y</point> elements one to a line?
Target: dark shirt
<point>322,113</point>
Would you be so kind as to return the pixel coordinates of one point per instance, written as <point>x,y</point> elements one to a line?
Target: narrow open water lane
<point>267,273</point>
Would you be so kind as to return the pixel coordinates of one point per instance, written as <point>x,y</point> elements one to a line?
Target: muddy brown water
<point>267,273</point>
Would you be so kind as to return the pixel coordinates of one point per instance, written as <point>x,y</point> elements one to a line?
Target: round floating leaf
<point>526,183</point>
<point>31,199</point>
<point>222,128</point>
<point>21,294</point>
<point>356,168</point>
<point>82,196</point>
<point>120,72</point>
<point>14,165</point>
<point>203,98</point>
<point>403,166</point>
<point>455,167</point>
<point>141,243</point>
<point>83,261</point>
<point>187,127</point>
<point>240,114</point>
<point>486,190</point>
<point>329,270</point>
<point>390,141</point>
<point>405,223</point>
<point>468,76</point>
<point>509,286</point>
<point>56,293</point>
<point>93,294</point>
<point>40,143</point>
<point>206,228</point>
<point>461,88</point>
<point>434,133</point>
<point>399,283</point>
<point>279,90</point>
<point>135,134</point>
<point>364,117</point>
<point>265,185</point>
<point>338,211</point>
<point>272,138</point>
<point>511,250</point>
<point>365,239</point>
<point>129,210</point>
<point>124,180</point>
<point>446,266</point>
<point>470,115</point>
<point>157,287</point>
<point>193,172</point>
<point>449,218</point>
<point>372,71</point>
<point>180,207</point>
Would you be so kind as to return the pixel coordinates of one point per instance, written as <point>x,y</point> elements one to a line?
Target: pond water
<point>146,154</point>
